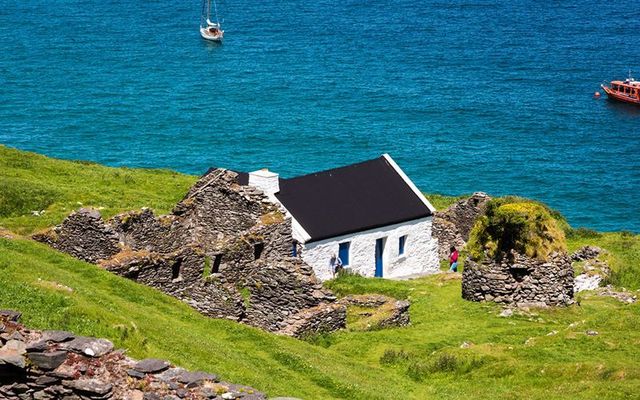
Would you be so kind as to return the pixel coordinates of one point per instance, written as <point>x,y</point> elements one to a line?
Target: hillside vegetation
<point>454,349</point>
<point>31,183</point>
<point>523,226</point>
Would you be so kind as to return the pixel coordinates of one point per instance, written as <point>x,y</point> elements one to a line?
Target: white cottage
<point>370,214</point>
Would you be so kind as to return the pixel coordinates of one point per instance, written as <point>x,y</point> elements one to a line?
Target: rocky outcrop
<point>586,253</point>
<point>592,272</point>
<point>59,365</point>
<point>520,280</point>
<point>452,226</point>
<point>225,250</point>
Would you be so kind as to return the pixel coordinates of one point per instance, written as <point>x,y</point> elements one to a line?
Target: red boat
<point>627,91</point>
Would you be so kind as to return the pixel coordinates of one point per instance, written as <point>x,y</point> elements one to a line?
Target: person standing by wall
<point>453,259</point>
<point>336,264</point>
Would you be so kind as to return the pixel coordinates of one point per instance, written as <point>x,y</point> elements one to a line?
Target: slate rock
<point>188,377</point>
<point>46,381</point>
<point>11,315</point>
<point>48,361</point>
<point>39,346</point>
<point>151,396</point>
<point>20,388</point>
<point>63,372</point>
<point>16,336</point>
<point>15,345</point>
<point>12,354</point>
<point>89,346</point>
<point>57,336</point>
<point>151,365</point>
<point>135,374</point>
<point>89,386</point>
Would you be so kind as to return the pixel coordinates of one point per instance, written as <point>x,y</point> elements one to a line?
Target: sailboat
<point>210,30</point>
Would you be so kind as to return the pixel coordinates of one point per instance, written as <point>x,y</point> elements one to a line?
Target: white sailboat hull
<point>208,34</point>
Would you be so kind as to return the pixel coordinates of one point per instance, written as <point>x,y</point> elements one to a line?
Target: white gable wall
<point>420,253</point>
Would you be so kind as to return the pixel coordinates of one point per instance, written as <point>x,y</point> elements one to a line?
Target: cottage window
<point>343,253</point>
<point>294,249</point>
<point>401,243</point>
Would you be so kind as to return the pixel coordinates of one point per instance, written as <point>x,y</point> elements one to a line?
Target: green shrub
<point>392,357</point>
<point>18,197</point>
<point>417,370</point>
<point>512,224</point>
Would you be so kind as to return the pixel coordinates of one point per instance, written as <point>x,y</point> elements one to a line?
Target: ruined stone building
<point>369,214</point>
<point>250,246</point>
<point>225,249</point>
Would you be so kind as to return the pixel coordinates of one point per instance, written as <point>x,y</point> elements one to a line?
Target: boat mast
<point>215,9</point>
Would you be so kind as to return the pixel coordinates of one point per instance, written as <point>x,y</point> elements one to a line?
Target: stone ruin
<point>452,226</point>
<point>225,249</point>
<point>520,280</point>
<point>48,365</point>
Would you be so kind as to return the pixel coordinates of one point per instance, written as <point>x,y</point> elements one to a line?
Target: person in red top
<point>453,259</point>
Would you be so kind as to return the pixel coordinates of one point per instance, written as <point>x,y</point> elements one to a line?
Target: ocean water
<point>466,96</point>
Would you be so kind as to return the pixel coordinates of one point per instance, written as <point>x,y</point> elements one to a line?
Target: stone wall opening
<point>175,270</point>
<point>217,260</point>
<point>258,248</point>
<point>519,274</point>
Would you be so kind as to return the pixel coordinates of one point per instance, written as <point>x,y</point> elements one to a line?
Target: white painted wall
<point>420,254</point>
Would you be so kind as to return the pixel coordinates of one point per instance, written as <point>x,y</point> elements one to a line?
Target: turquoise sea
<point>465,95</point>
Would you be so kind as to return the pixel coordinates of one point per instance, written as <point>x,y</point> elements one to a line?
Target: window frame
<point>402,244</point>
<point>347,246</point>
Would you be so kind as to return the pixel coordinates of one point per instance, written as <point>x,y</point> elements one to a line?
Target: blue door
<point>379,253</point>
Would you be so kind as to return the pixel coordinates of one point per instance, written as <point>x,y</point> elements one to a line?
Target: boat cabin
<point>627,91</point>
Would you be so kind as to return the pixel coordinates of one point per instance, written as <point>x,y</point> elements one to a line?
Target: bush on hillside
<point>20,197</point>
<point>525,226</point>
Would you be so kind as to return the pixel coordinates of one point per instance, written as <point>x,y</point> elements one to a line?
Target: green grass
<point>31,182</point>
<point>441,201</point>
<point>509,358</point>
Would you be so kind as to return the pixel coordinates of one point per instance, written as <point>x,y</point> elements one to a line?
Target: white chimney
<point>265,180</point>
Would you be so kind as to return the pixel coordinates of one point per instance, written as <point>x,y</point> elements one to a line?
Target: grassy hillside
<point>31,182</point>
<point>508,358</point>
<point>540,355</point>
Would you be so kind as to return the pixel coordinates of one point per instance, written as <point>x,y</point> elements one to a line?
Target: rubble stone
<point>55,374</point>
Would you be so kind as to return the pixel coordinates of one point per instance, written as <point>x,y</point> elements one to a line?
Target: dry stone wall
<point>48,365</point>
<point>84,235</point>
<point>452,226</point>
<point>225,250</point>
<point>520,280</point>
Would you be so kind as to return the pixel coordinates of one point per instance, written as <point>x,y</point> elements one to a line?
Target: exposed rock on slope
<point>59,365</point>
<point>225,250</point>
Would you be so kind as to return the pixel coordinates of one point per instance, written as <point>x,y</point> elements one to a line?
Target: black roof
<point>349,199</point>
